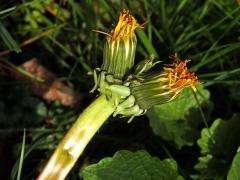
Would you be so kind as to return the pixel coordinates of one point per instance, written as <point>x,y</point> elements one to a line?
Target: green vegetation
<point>48,52</point>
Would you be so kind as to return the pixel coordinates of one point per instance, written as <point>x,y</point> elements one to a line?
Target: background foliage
<point>193,137</point>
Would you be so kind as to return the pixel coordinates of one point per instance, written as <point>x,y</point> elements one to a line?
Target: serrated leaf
<point>219,148</point>
<point>126,165</point>
<point>178,120</point>
<point>234,173</point>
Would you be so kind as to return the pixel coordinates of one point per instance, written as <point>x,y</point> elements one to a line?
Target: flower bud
<point>120,47</point>
<point>158,88</point>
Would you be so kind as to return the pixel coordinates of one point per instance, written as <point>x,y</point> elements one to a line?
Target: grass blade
<point>8,39</point>
<point>146,43</point>
<point>220,53</point>
<point>21,156</point>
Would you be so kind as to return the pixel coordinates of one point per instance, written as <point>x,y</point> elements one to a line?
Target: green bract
<point>152,89</point>
<point>118,56</point>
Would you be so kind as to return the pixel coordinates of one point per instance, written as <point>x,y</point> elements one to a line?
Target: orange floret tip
<point>178,74</point>
<point>125,27</point>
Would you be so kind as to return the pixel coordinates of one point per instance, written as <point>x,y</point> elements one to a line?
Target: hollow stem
<point>76,139</point>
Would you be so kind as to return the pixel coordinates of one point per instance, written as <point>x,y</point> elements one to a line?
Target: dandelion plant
<point>123,89</point>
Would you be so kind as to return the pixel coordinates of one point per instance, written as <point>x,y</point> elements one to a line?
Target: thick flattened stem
<point>76,139</point>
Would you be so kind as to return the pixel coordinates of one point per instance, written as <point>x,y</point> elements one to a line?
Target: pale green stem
<point>76,139</point>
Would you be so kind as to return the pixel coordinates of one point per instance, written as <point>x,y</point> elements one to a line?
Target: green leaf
<point>178,120</point>
<point>126,165</point>
<point>233,173</point>
<point>219,148</point>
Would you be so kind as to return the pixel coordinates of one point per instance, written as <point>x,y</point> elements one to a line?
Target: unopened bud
<point>161,87</point>
<point>120,47</point>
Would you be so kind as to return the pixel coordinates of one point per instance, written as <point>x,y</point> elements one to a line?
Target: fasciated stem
<point>76,139</point>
